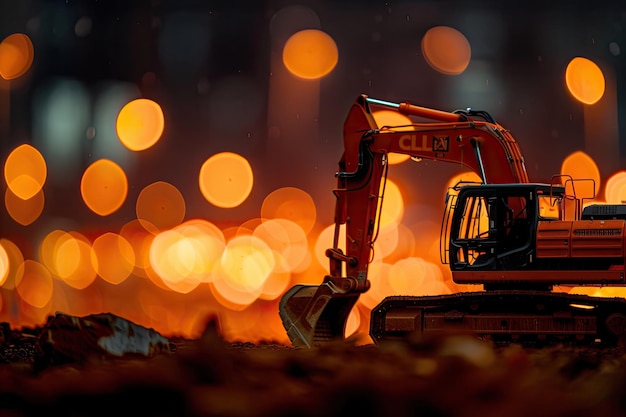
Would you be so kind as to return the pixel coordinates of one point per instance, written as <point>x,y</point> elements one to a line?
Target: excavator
<point>514,239</point>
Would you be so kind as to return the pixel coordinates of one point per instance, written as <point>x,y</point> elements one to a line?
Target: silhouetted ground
<point>448,376</point>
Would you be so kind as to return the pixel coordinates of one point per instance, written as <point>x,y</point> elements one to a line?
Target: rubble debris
<point>70,339</point>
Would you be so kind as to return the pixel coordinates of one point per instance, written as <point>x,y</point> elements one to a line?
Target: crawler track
<point>531,318</point>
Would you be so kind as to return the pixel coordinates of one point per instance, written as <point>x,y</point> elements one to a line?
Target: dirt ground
<point>454,375</point>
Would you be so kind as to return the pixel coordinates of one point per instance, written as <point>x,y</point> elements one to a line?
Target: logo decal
<point>441,143</point>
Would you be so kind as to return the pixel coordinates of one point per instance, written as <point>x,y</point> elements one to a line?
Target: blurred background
<point>171,160</point>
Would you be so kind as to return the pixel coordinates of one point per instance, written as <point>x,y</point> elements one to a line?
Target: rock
<point>70,339</point>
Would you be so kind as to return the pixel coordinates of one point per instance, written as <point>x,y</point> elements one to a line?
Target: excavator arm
<point>313,315</point>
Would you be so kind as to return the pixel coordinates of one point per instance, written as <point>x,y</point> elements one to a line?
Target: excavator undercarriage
<point>529,318</point>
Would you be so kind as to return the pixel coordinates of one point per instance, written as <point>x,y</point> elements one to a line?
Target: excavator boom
<point>499,234</point>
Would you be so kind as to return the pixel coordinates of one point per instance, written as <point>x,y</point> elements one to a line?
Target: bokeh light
<point>293,204</point>
<point>104,187</point>
<point>226,179</point>
<point>24,212</point>
<point>310,54</point>
<point>4,264</point>
<point>25,171</point>
<point>581,166</point>
<point>112,257</point>
<point>140,124</point>
<point>584,80</point>
<point>615,189</point>
<point>160,206</point>
<point>446,50</point>
<point>16,56</point>
<point>35,284</point>
<point>392,204</point>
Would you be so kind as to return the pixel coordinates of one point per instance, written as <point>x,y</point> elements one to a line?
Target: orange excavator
<point>516,238</point>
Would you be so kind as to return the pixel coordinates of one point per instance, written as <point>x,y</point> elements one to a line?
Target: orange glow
<point>112,257</point>
<point>468,177</point>
<point>287,239</point>
<point>246,263</point>
<point>226,179</point>
<point>399,122</point>
<point>310,54</point>
<point>140,239</point>
<point>392,204</point>
<point>582,166</point>
<point>615,191</point>
<point>292,204</point>
<point>208,242</point>
<point>584,80</point>
<point>378,273</point>
<point>235,299</point>
<point>35,286</point>
<point>48,248</point>
<point>72,260</point>
<point>325,241</point>
<point>25,171</point>
<point>104,187</point>
<point>386,241</point>
<point>187,255</point>
<point>353,323</point>
<point>67,255</point>
<point>277,282</point>
<point>416,276</point>
<point>24,212</point>
<point>177,261</point>
<point>5,264</point>
<point>16,56</point>
<point>446,50</point>
<point>140,124</point>
<point>15,259</point>
<point>162,205</point>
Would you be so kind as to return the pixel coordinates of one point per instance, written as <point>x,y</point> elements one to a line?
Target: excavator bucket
<point>316,314</point>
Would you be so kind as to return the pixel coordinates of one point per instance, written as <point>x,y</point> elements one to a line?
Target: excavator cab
<point>492,226</point>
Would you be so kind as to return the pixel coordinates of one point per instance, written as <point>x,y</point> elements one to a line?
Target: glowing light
<point>174,258</point>
<point>226,179</point>
<point>580,165</point>
<point>378,273</point>
<point>25,171</point>
<point>247,262</point>
<point>24,212</point>
<point>615,189</point>
<point>140,239</point>
<point>584,80</point>
<point>112,257</point>
<point>187,255</point>
<point>325,241</point>
<point>397,121</point>
<point>67,255</point>
<point>392,204</point>
<point>104,187</point>
<point>15,259</point>
<point>310,54</point>
<point>446,50</point>
<point>386,241</point>
<point>292,204</point>
<point>16,56</point>
<point>35,286</point>
<point>4,264</point>
<point>162,205</point>
<point>285,237</point>
<point>140,124</point>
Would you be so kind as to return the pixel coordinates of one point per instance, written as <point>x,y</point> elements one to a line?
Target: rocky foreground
<point>454,375</point>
